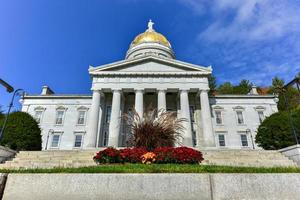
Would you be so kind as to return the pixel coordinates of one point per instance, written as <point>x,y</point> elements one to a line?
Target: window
<point>194,138</point>
<point>221,140</point>
<point>107,114</point>
<point>38,116</point>
<point>244,140</point>
<point>78,140</point>
<point>240,118</point>
<point>81,117</point>
<point>105,138</point>
<point>55,141</point>
<point>192,113</point>
<point>59,117</point>
<point>218,117</point>
<point>261,116</point>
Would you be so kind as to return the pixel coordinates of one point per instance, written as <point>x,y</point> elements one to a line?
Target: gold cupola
<point>150,43</point>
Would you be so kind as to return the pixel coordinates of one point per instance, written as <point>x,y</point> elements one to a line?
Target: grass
<point>160,168</point>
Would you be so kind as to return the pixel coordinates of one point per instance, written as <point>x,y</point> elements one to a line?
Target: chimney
<point>46,90</point>
<point>253,90</point>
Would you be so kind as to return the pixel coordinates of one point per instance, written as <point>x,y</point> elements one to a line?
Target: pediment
<point>149,64</point>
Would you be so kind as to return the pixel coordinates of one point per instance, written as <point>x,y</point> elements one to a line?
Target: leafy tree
<point>1,115</point>
<point>22,132</point>
<point>212,84</point>
<point>243,87</point>
<point>275,132</point>
<point>276,84</point>
<point>292,95</point>
<point>225,88</point>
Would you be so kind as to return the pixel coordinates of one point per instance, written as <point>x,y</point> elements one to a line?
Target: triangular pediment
<point>149,64</point>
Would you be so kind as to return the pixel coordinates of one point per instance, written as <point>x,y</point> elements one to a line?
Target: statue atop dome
<point>150,42</point>
<point>150,25</point>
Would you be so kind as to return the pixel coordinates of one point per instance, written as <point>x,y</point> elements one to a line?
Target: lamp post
<point>8,111</point>
<point>283,90</point>
<point>50,131</point>
<point>8,87</point>
<point>248,131</point>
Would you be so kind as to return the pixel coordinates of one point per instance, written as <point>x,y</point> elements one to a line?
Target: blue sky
<point>52,43</point>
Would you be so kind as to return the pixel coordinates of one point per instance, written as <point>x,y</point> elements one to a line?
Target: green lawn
<point>160,168</point>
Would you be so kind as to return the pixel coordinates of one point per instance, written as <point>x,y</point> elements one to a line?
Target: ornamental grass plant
<point>156,128</point>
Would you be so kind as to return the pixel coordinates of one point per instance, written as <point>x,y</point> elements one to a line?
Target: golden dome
<point>150,35</point>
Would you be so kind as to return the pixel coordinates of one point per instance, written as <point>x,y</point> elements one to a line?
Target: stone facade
<point>152,186</point>
<point>149,75</point>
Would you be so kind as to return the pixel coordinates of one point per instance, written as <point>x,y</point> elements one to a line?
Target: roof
<point>167,61</point>
<point>58,96</point>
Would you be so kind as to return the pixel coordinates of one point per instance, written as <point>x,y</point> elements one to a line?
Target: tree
<point>292,95</point>
<point>276,84</point>
<point>212,84</point>
<point>243,87</point>
<point>275,132</point>
<point>22,132</point>
<point>225,88</point>
<point>1,115</point>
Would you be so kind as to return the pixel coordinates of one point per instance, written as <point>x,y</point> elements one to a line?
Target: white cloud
<point>251,39</point>
<point>248,19</point>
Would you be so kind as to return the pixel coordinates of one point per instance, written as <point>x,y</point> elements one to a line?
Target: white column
<point>161,100</point>
<point>91,139</point>
<point>139,102</point>
<point>115,119</point>
<point>185,113</point>
<point>208,134</point>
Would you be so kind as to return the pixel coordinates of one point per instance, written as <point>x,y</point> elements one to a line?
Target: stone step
<point>251,164</point>
<point>78,158</point>
<point>250,161</point>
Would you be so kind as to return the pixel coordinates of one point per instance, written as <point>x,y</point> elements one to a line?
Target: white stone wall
<point>227,105</point>
<point>47,123</point>
<point>230,128</point>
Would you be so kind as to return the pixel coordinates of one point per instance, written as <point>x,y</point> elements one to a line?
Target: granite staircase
<point>83,158</point>
<point>249,158</point>
<point>50,159</point>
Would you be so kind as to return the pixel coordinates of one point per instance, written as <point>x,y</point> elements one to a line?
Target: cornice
<point>117,64</point>
<point>246,96</point>
<point>187,73</point>
<point>57,97</point>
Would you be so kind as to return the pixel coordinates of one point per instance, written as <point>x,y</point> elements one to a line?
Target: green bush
<point>275,132</point>
<point>22,132</point>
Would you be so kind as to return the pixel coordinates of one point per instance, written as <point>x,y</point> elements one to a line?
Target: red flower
<point>181,155</point>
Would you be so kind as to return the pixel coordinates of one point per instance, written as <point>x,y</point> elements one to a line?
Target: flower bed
<point>180,155</point>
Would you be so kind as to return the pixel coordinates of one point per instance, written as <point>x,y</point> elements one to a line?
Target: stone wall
<point>3,177</point>
<point>6,153</point>
<point>152,186</point>
<point>292,152</point>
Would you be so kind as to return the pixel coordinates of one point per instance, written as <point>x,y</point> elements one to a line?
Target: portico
<point>121,103</point>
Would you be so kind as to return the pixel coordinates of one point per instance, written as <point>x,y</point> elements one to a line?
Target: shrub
<point>164,154</point>
<point>108,155</point>
<point>22,132</point>
<point>181,155</point>
<point>275,132</point>
<point>154,129</point>
<point>132,155</point>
